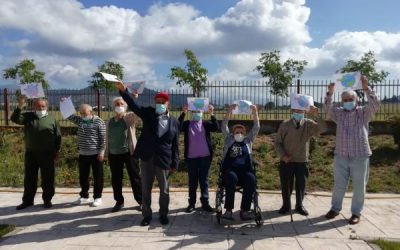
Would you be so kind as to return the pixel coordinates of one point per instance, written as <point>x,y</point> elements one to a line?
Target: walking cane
<point>290,202</point>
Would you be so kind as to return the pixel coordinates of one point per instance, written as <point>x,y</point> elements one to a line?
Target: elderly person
<point>237,164</point>
<point>120,144</point>
<point>42,138</point>
<point>157,148</point>
<point>198,153</point>
<point>91,134</point>
<point>352,150</point>
<point>292,144</point>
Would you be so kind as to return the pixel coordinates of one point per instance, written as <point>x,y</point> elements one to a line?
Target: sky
<point>68,39</point>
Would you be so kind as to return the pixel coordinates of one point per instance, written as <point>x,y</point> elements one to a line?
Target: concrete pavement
<point>68,226</point>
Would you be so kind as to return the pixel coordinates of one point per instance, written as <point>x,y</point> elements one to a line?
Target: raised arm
<point>17,116</point>
<point>224,125</point>
<point>318,126</point>
<point>181,118</point>
<point>328,106</point>
<point>212,125</point>
<point>256,124</point>
<point>373,103</point>
<point>75,119</point>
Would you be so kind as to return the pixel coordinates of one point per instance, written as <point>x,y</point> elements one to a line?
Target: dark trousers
<point>149,171</point>
<point>242,178</point>
<point>117,162</point>
<point>85,162</point>
<point>288,172</point>
<point>198,169</point>
<point>33,162</point>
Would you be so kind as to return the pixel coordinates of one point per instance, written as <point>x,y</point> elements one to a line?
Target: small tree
<point>98,82</point>
<point>25,72</point>
<point>280,75</point>
<point>193,74</point>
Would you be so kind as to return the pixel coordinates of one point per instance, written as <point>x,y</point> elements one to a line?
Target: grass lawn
<point>5,229</point>
<point>387,245</point>
<point>384,172</point>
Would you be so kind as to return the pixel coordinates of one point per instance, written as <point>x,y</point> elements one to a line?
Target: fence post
<point>98,102</point>
<point>298,86</point>
<point>6,106</point>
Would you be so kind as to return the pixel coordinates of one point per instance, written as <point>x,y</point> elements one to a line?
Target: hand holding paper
<point>67,107</point>
<point>348,81</point>
<point>198,103</point>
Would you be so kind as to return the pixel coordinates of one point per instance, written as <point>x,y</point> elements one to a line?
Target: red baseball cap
<point>162,95</point>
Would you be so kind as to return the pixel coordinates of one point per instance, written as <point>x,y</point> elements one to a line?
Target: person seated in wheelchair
<point>237,164</point>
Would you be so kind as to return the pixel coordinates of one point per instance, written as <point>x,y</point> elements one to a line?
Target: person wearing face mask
<point>91,141</point>
<point>157,148</point>
<point>237,163</point>
<point>352,149</point>
<point>198,153</point>
<point>120,146</point>
<point>292,144</point>
<point>42,138</point>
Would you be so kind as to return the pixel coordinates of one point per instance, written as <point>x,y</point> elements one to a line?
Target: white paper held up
<point>242,108</point>
<point>348,81</point>
<point>301,102</point>
<point>32,90</point>
<point>67,107</point>
<point>198,103</point>
<point>109,77</point>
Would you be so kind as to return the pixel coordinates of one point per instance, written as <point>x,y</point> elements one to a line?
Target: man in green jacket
<point>42,142</point>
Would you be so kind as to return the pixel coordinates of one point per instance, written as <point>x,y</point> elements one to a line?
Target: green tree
<point>367,67</point>
<point>280,75</point>
<point>98,82</point>
<point>193,74</point>
<point>25,72</point>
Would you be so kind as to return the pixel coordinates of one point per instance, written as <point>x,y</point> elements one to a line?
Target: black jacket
<point>164,150</point>
<point>209,126</point>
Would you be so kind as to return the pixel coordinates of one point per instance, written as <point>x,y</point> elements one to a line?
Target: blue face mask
<point>161,108</point>
<point>298,116</point>
<point>349,105</point>
<point>197,116</point>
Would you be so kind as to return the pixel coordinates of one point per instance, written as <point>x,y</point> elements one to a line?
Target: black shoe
<point>301,210</point>
<point>164,220</point>
<point>284,210</point>
<point>190,208</point>
<point>246,215</point>
<point>47,204</point>
<point>117,207</point>
<point>23,205</point>
<point>206,207</point>
<point>145,221</point>
<point>331,214</point>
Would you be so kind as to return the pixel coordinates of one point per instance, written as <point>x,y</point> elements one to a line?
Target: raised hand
<point>211,109</point>
<point>313,111</point>
<point>185,108</point>
<point>331,88</point>
<point>364,81</point>
<point>231,108</point>
<point>120,86</point>
<point>253,109</point>
<point>21,101</point>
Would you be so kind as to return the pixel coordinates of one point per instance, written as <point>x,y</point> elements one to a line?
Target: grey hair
<point>41,100</point>
<point>349,93</point>
<point>85,105</point>
<point>117,99</point>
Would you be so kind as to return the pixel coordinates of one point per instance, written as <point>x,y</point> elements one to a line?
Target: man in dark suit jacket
<point>157,148</point>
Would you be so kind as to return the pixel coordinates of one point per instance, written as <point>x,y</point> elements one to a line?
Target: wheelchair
<point>220,197</point>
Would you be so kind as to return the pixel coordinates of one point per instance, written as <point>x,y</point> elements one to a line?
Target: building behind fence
<point>220,93</point>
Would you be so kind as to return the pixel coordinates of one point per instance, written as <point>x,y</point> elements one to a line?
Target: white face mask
<point>87,118</point>
<point>119,109</point>
<point>239,137</point>
<point>41,113</point>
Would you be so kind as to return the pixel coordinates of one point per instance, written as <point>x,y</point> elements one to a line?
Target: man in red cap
<point>157,148</point>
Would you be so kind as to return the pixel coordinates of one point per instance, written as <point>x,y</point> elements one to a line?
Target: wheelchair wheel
<point>258,217</point>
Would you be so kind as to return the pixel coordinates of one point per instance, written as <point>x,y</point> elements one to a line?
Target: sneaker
<point>23,205</point>
<point>97,202</point>
<point>190,208</point>
<point>82,200</point>
<point>228,215</point>
<point>206,207</point>
<point>47,204</point>
<point>246,215</point>
<point>117,207</point>
<point>164,220</point>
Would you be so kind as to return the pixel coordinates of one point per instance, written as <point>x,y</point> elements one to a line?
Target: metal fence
<point>220,93</point>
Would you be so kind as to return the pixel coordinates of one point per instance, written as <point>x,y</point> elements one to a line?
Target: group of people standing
<point>157,151</point>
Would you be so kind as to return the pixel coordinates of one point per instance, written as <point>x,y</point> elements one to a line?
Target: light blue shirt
<point>163,121</point>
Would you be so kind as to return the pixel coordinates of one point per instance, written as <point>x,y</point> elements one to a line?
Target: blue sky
<point>69,38</point>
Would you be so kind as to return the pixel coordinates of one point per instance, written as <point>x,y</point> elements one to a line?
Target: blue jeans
<point>198,169</point>
<point>358,169</point>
